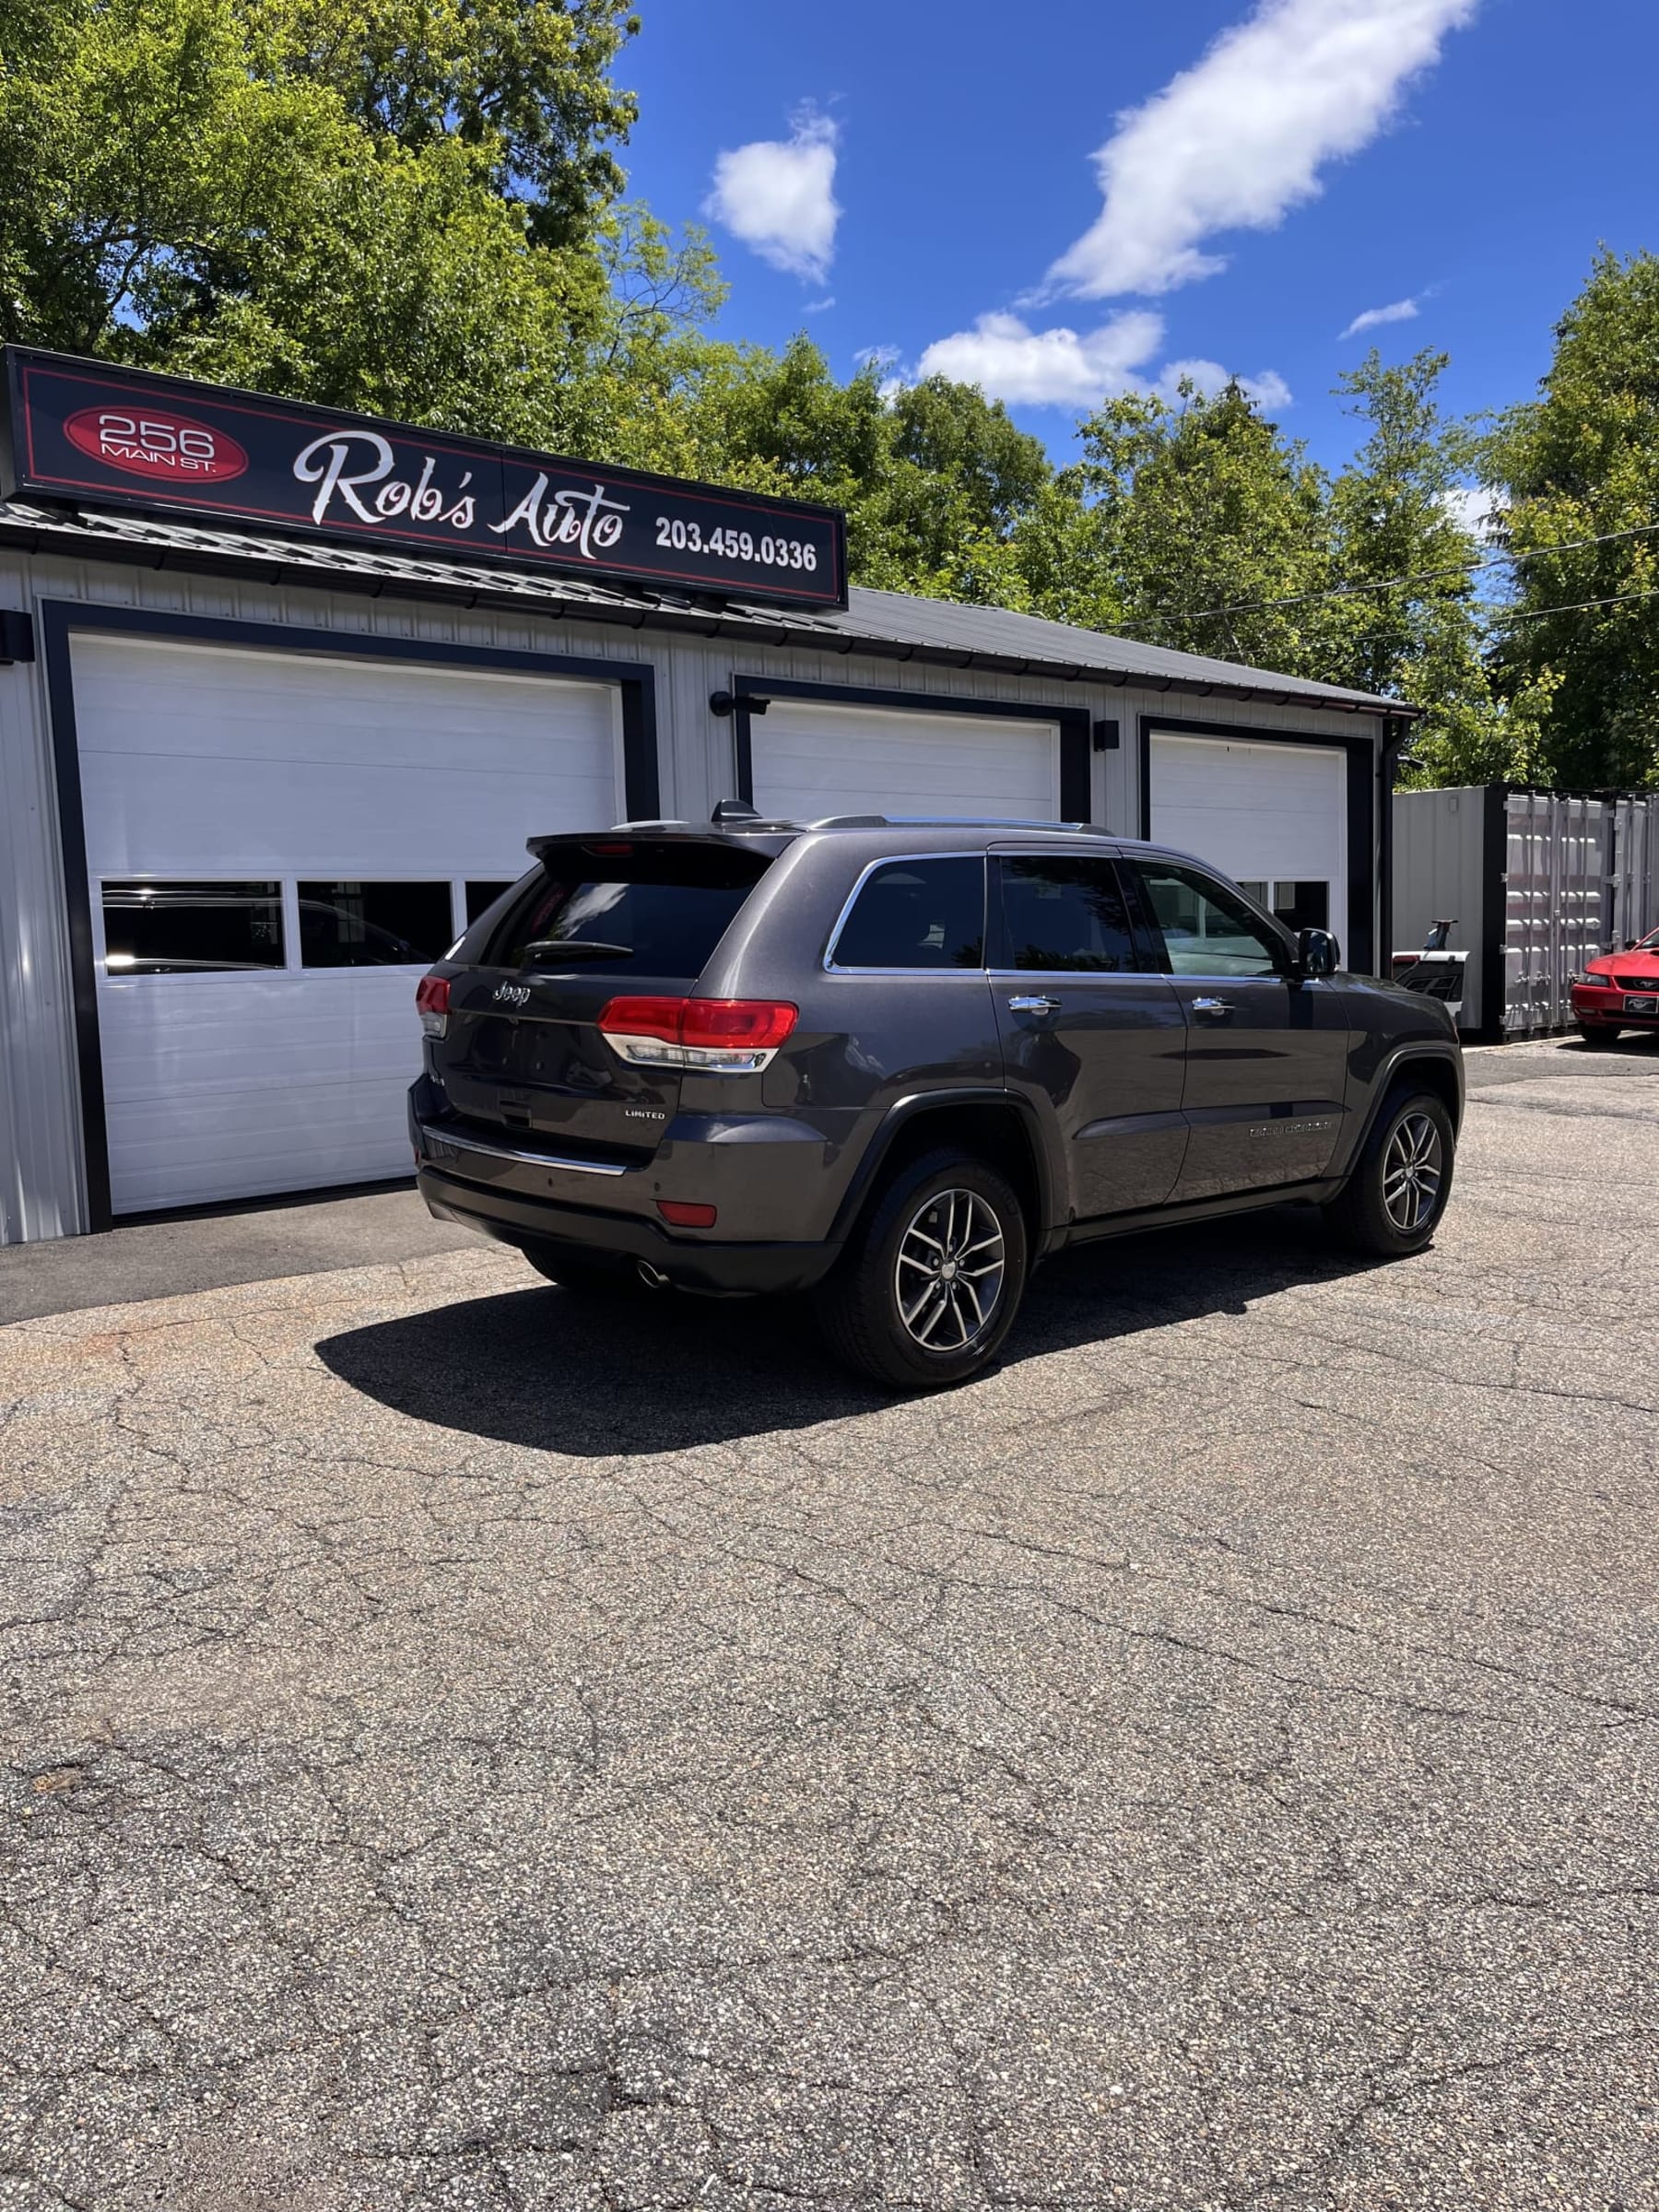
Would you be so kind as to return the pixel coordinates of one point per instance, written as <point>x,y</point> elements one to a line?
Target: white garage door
<point>278,845</point>
<point>812,760</point>
<point>1272,816</point>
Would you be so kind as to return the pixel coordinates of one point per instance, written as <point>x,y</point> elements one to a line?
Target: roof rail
<point>938,821</point>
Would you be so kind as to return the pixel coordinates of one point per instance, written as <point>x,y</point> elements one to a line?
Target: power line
<point>1576,607</point>
<point>1350,591</point>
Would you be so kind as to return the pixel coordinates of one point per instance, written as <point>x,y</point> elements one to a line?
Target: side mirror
<point>1317,952</point>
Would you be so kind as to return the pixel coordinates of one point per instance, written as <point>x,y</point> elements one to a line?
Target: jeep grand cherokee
<point>896,1066</point>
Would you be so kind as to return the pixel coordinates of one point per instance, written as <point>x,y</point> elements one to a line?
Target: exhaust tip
<point>651,1276</point>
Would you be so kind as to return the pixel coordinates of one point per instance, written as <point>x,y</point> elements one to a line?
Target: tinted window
<point>917,913</point>
<point>183,928</point>
<point>1206,928</point>
<point>656,910</point>
<point>1065,915</point>
<point>374,924</point>
<point>481,896</point>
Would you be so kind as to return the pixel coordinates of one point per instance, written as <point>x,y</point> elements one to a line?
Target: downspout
<point>1396,730</point>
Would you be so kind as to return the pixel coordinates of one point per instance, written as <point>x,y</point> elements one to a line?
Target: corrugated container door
<point>1635,869</point>
<point>1526,908</point>
<point>1558,912</point>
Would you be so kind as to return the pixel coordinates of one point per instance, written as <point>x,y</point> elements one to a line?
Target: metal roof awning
<point>884,625</point>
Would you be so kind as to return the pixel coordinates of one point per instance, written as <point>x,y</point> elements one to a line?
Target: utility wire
<point>1350,591</point>
<point>1577,606</point>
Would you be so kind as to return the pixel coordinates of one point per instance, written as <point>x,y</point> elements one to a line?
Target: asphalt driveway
<point>469,1747</point>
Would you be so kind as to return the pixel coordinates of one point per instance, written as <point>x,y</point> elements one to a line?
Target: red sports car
<point>1619,991</point>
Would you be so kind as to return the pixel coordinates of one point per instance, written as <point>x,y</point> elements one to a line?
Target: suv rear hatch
<point>601,918</point>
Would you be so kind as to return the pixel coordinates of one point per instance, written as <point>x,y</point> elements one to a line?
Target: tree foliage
<point>525,83</point>
<point>303,198</point>
<point>1582,462</point>
<point>413,207</point>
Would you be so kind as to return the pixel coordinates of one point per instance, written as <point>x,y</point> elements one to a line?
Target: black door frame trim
<point>1074,725</point>
<point>59,619</point>
<point>1363,861</point>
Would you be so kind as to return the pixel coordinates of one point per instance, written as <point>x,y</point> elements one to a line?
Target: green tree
<point>1204,530</point>
<point>184,186</point>
<point>1408,623</point>
<point>526,83</point>
<point>1582,462</point>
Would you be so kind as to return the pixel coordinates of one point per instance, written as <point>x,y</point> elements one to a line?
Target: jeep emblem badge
<point>513,994</point>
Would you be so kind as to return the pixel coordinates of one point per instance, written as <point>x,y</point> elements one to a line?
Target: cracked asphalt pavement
<point>468,1747</point>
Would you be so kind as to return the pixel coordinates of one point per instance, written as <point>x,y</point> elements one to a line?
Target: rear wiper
<point>575,948</point>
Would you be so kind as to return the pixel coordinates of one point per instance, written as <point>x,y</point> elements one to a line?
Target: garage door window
<point>190,928</point>
<point>1302,905</point>
<point>481,896</point>
<point>373,924</point>
<point>916,913</point>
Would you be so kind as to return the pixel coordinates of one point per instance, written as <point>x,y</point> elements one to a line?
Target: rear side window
<point>646,910</point>
<point>916,913</point>
<point>1064,916</point>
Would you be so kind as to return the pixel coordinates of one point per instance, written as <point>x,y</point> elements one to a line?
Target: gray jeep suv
<point>895,1065</point>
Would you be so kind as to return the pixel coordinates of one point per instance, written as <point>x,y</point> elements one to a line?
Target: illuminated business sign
<point>106,436</point>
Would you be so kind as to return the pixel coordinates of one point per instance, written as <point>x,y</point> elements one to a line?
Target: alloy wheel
<point>948,1275</point>
<point>1412,1167</point>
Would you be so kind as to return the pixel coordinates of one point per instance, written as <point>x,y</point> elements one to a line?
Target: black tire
<point>1597,1041</point>
<point>591,1276</point>
<point>1388,1206</point>
<point>859,1305</point>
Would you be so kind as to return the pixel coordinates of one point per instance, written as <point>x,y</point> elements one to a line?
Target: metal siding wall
<point>40,1188</point>
<point>1439,870</point>
<point>41,1184</point>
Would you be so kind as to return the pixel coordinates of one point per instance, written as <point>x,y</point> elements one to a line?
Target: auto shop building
<point>283,693</point>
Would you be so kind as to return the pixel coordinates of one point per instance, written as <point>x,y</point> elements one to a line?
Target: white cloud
<point>778,196</point>
<point>1057,367</point>
<point>1066,368</point>
<point>1398,311</point>
<point>1474,508</point>
<point>1241,137</point>
<point>1268,389</point>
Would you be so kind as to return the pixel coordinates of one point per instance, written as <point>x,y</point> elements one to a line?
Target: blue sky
<point>1052,197</point>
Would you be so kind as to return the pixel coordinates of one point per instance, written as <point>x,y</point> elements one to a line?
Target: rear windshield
<point>654,910</point>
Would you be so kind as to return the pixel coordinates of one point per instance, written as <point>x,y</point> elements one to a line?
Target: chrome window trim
<point>535,1159</point>
<point>1275,975</point>
<point>1080,975</point>
<point>895,860</point>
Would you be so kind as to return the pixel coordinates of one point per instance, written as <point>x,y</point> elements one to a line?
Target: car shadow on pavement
<point>633,1376</point>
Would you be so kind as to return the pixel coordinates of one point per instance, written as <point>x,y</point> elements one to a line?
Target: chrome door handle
<point>1212,1005</point>
<point>1033,1006</point>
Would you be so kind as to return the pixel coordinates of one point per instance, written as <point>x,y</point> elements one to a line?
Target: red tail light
<point>431,1003</point>
<point>683,1214</point>
<point>730,1036</point>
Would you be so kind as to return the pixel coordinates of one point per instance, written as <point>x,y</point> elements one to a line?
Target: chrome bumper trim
<point>431,1136</point>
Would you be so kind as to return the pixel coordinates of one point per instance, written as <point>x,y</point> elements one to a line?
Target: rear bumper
<point>523,1197</point>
